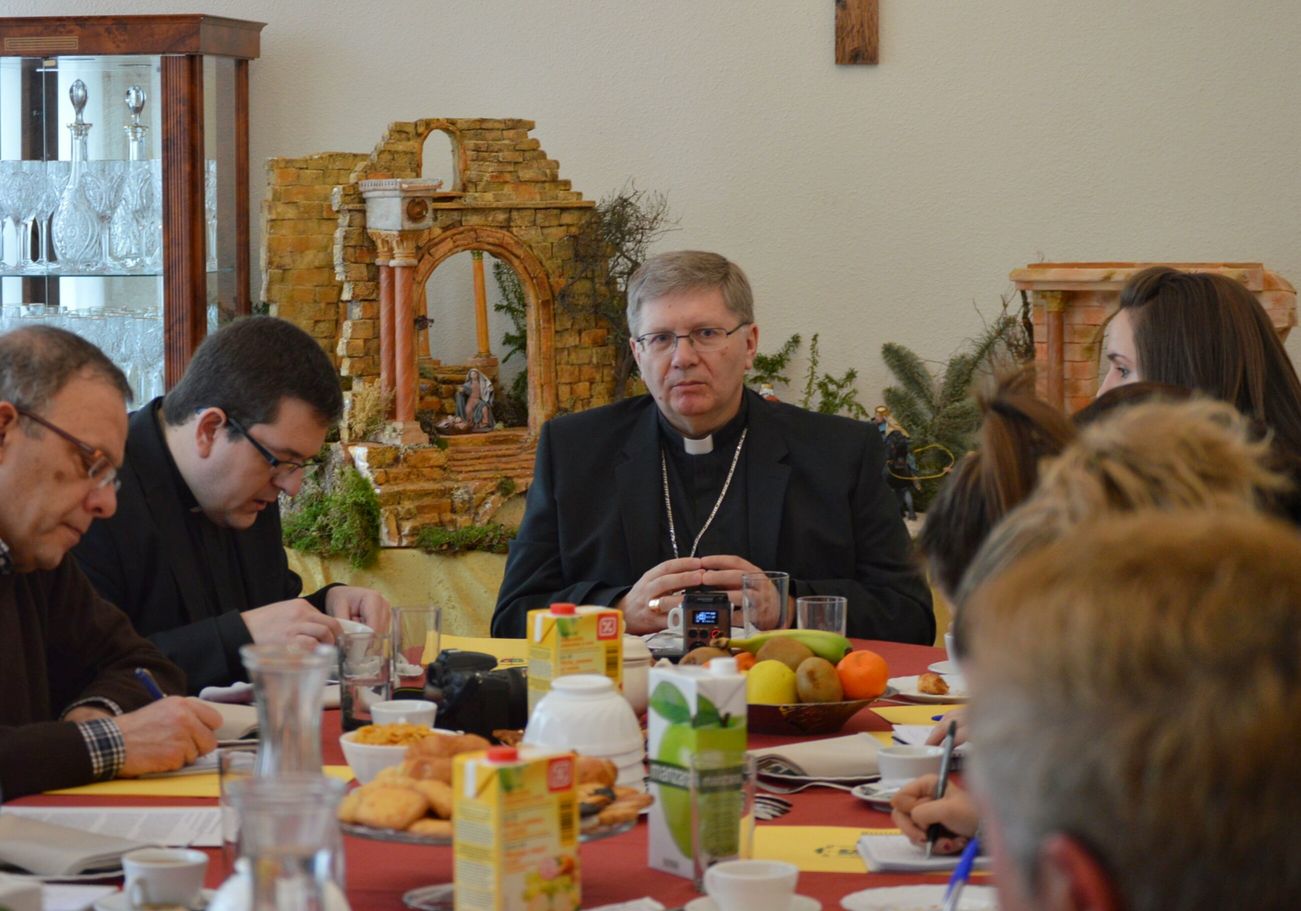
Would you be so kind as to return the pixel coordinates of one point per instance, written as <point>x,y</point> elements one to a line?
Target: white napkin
<point>49,850</point>
<point>853,755</point>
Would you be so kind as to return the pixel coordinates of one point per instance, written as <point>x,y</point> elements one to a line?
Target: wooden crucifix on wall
<point>857,31</point>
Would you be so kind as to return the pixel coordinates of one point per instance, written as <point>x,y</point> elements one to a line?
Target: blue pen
<point>149,683</point>
<point>937,718</point>
<point>961,874</point>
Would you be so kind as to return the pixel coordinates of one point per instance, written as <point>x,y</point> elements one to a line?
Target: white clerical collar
<point>702,446</point>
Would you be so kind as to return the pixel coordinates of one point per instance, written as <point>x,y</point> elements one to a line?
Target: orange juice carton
<point>565,639</point>
<point>694,712</point>
<point>515,831</point>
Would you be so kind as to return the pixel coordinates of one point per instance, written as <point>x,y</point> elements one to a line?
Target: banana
<point>822,643</point>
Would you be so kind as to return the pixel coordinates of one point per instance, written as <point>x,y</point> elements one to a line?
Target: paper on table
<point>834,757</point>
<point>916,734</point>
<point>516,651</point>
<point>242,694</point>
<point>206,785</point>
<point>814,849</point>
<point>885,853</point>
<point>913,714</point>
<point>199,827</point>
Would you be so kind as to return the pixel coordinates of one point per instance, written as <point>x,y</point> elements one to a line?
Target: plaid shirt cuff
<point>106,746</point>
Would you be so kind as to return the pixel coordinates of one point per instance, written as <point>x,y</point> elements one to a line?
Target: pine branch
<point>911,373</point>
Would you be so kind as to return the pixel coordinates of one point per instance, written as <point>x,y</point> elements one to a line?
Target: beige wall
<point>868,203</point>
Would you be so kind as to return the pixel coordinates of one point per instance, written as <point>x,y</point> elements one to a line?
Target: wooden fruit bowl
<point>803,717</point>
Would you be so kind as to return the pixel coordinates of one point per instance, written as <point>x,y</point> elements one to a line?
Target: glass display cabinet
<point>124,182</point>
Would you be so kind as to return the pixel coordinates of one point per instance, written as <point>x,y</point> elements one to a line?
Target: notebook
<point>896,854</point>
<point>48,850</point>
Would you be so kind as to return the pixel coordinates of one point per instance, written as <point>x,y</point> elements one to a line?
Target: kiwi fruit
<point>788,651</point>
<point>816,680</point>
<point>703,655</point>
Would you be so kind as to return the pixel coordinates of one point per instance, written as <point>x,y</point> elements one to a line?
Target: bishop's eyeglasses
<point>706,338</point>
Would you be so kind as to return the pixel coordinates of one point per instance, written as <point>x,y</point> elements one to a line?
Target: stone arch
<point>541,304</point>
<point>424,128</point>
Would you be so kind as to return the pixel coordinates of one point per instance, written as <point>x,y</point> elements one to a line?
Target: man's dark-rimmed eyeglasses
<point>99,467</point>
<point>280,468</point>
<point>706,338</point>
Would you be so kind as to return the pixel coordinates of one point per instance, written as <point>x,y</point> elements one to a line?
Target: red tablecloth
<point>614,869</point>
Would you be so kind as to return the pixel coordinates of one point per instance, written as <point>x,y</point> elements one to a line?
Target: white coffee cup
<point>674,620</point>
<point>751,885</point>
<point>404,711</point>
<point>900,764</point>
<point>163,876</point>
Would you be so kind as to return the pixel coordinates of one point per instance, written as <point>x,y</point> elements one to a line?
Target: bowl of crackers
<point>371,749</point>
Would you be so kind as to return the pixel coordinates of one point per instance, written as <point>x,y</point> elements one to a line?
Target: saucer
<point>892,898</point>
<point>118,901</point>
<point>943,667</point>
<point>705,903</point>
<point>877,794</point>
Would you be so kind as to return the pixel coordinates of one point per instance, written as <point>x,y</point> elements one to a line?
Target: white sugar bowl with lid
<point>636,672</point>
<point>584,713</point>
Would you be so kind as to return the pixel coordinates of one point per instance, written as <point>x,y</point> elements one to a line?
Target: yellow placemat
<point>913,714</point>
<point>507,651</point>
<point>814,849</point>
<point>204,785</point>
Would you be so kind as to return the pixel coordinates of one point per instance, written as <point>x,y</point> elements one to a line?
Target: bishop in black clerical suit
<point>702,480</point>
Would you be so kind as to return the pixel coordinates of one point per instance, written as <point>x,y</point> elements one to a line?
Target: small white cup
<point>751,885</point>
<point>163,876</point>
<point>404,711</point>
<point>900,764</point>
<point>674,620</point>
<point>948,647</point>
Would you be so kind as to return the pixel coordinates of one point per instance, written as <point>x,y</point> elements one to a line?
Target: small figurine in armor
<point>900,466</point>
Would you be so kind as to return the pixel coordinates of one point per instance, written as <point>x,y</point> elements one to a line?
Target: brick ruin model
<point>351,239</point>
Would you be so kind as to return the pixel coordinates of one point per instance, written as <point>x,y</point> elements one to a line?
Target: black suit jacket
<point>818,509</point>
<point>143,559</point>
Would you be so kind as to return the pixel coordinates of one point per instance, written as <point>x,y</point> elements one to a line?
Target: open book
<point>49,850</point>
<point>238,722</point>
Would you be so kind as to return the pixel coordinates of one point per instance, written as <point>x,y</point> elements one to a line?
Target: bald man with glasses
<point>702,481</point>
<point>194,555</point>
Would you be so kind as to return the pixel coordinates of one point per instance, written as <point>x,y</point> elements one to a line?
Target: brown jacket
<point>61,643</point>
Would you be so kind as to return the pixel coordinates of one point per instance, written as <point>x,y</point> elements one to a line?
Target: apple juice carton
<point>564,639</point>
<point>515,831</point>
<point>694,712</point>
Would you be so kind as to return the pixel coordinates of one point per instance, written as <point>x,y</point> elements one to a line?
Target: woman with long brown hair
<point>1207,333</point>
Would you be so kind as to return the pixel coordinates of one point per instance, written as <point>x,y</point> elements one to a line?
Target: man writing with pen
<point>74,710</point>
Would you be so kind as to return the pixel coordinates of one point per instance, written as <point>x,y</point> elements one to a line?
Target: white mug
<point>163,876</point>
<point>675,620</point>
<point>751,885</point>
<point>404,711</point>
<point>900,764</point>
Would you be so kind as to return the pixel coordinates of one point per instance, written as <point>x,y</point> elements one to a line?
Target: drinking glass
<point>722,785</point>
<point>16,202</point>
<point>764,601</point>
<point>137,197</point>
<point>34,177</point>
<point>55,179</point>
<point>233,764</point>
<point>102,184</point>
<point>417,636</point>
<point>365,675</point>
<point>826,612</point>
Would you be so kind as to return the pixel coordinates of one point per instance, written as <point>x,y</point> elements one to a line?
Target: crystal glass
<point>17,200</point>
<point>52,185</point>
<point>102,185</point>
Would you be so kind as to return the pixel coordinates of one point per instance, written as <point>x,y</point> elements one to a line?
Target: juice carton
<point>564,639</point>
<point>515,818</point>
<point>694,712</point>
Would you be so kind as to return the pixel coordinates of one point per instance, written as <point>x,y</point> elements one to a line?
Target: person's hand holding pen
<point>166,734</point>
<point>914,810</point>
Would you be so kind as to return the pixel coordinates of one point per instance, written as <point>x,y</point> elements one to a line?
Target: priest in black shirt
<point>703,481</point>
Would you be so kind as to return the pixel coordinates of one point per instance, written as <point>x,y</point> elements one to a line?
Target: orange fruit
<point>863,674</point>
<point>744,660</point>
